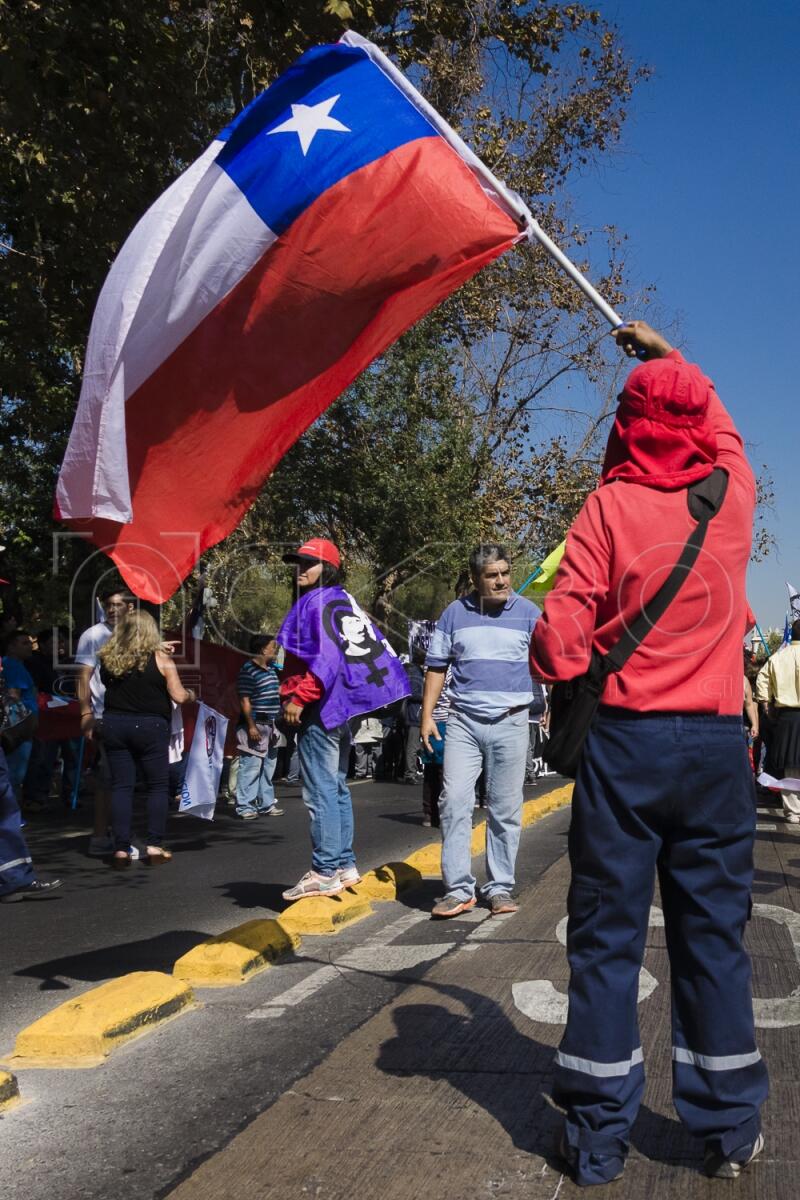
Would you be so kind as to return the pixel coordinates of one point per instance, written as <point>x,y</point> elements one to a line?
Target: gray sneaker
<point>452,906</point>
<point>731,1168</point>
<point>502,902</point>
<point>314,884</point>
<point>272,812</point>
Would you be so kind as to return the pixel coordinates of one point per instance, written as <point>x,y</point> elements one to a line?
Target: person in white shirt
<point>91,693</point>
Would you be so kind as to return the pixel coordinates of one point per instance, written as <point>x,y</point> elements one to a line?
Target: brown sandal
<point>160,857</point>
<point>121,862</point>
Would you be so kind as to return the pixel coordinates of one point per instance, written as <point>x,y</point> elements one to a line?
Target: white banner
<point>203,770</point>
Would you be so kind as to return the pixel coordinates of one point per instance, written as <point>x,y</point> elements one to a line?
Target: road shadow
<point>253,893</point>
<point>406,818</point>
<point>506,1073</point>
<point>94,966</point>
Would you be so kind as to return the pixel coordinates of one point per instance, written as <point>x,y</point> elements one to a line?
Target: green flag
<point>540,583</point>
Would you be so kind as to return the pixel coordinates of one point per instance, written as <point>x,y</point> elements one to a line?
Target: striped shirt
<point>487,651</point>
<point>260,685</point>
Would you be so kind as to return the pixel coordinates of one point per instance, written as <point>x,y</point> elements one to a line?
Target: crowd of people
<point>664,787</point>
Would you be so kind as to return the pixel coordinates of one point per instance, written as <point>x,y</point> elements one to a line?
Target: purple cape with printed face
<point>338,642</point>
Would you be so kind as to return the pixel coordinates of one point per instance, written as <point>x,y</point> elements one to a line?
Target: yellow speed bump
<point>9,1092</point>
<point>324,914</point>
<point>82,1032</point>
<point>236,955</point>
<point>384,883</point>
<point>540,806</point>
<point>428,860</point>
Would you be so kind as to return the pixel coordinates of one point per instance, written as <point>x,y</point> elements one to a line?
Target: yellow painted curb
<point>324,914</point>
<point>427,860</point>
<point>9,1092</point>
<point>384,883</point>
<point>540,806</point>
<point>236,955</point>
<point>83,1031</point>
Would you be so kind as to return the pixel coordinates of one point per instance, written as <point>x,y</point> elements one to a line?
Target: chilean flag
<point>326,219</point>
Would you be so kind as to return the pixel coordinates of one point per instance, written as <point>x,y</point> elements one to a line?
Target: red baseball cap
<point>319,549</point>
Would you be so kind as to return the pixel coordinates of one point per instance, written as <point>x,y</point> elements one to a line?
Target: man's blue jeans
<point>324,759</point>
<point>499,748</point>
<point>254,790</point>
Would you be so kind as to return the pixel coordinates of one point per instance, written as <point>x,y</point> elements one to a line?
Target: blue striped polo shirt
<point>260,684</point>
<point>487,651</point>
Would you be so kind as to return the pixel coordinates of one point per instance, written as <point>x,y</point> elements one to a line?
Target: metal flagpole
<point>535,230</point>
<point>530,579</point>
<point>763,640</point>
<point>77,785</point>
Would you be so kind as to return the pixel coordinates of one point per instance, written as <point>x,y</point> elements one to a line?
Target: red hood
<point>661,436</point>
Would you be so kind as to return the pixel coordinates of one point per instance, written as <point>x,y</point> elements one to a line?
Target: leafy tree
<point>456,432</point>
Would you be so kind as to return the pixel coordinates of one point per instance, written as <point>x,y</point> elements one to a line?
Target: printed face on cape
<point>340,645</point>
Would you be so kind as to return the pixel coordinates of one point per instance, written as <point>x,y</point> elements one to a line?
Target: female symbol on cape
<point>351,630</point>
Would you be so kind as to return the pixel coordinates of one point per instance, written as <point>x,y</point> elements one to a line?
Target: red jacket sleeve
<point>561,645</point>
<point>298,683</point>
<point>730,447</point>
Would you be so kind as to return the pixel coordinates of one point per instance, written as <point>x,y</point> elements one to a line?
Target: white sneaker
<point>729,1168</point>
<point>349,875</point>
<point>314,884</point>
<point>793,818</point>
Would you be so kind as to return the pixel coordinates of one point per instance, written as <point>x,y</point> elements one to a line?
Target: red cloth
<point>629,535</point>
<point>297,682</point>
<point>662,436</point>
<point>60,723</point>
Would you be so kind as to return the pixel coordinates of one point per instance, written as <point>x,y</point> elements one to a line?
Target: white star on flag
<point>307,120</point>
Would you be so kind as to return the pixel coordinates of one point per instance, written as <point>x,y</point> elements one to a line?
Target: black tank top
<point>138,691</point>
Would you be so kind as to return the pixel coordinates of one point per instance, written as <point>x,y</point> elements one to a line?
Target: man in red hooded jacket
<point>663,784</point>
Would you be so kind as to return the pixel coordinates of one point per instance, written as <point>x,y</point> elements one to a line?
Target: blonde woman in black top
<point>140,680</point>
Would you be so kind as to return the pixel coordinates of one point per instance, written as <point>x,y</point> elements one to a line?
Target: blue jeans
<point>324,759</point>
<point>44,756</point>
<point>130,739</point>
<point>498,748</point>
<point>254,790</point>
<point>18,761</point>
<point>670,795</point>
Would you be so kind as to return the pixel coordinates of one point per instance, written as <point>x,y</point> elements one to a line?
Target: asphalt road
<point>164,1103</point>
<point>102,924</point>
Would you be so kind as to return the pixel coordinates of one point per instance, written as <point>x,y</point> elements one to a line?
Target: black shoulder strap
<point>705,499</point>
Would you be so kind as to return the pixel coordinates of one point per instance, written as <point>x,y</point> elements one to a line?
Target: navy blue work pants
<point>670,794</point>
<point>130,739</point>
<point>16,868</point>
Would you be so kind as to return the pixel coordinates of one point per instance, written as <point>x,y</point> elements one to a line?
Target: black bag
<point>574,703</point>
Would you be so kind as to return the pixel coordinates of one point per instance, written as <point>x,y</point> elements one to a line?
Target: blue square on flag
<point>333,112</point>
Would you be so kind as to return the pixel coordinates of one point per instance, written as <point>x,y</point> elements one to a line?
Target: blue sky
<point>706,184</point>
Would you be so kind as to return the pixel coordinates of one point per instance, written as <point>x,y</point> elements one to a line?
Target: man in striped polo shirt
<point>259,699</point>
<point>484,637</point>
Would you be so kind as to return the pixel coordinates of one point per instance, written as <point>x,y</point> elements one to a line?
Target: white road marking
<point>540,999</point>
<point>783,1010</point>
<point>324,975</point>
<point>765,826</point>
<point>489,927</point>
